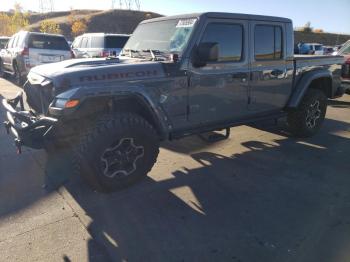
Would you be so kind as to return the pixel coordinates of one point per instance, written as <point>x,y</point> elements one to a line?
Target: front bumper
<point>28,129</point>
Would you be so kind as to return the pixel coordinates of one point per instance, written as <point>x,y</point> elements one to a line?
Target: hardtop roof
<point>103,34</point>
<point>223,16</point>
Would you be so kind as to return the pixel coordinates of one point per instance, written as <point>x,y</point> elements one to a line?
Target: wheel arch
<point>320,79</point>
<point>127,102</point>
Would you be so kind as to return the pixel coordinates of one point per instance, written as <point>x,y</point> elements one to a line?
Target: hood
<point>81,72</point>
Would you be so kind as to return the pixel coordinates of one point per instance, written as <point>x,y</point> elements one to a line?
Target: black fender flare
<point>159,119</point>
<point>304,83</point>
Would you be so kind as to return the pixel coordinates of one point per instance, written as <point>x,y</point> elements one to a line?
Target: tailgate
<point>44,56</point>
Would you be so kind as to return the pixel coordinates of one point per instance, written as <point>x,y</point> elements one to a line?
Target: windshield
<point>169,36</point>
<point>318,47</point>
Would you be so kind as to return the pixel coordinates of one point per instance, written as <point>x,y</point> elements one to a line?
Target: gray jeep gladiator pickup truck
<point>176,76</point>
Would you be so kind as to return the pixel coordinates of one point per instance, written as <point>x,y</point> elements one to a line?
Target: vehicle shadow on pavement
<point>282,200</point>
<point>19,187</point>
<point>286,200</point>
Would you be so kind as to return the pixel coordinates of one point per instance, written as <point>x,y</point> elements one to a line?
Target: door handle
<point>240,76</point>
<point>276,72</point>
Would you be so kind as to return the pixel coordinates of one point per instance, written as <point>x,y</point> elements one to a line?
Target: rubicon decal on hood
<point>119,75</point>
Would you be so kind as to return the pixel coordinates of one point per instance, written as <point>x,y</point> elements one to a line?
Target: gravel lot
<point>259,196</point>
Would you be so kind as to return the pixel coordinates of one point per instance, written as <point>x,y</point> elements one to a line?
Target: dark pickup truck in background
<point>176,76</point>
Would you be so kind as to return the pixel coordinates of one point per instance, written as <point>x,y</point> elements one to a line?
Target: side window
<point>268,42</point>
<point>97,42</point>
<point>278,43</point>
<point>230,40</point>
<point>10,42</point>
<point>88,44</point>
<point>15,42</point>
<point>84,42</point>
<point>76,43</point>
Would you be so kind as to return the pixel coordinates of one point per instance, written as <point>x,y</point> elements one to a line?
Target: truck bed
<point>307,63</point>
<point>317,60</point>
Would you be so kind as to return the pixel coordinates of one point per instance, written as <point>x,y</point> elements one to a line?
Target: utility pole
<point>46,6</point>
<point>138,5</point>
<point>113,3</point>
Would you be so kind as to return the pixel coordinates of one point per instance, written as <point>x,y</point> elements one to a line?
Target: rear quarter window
<point>48,42</point>
<point>97,41</point>
<point>318,47</point>
<point>115,41</point>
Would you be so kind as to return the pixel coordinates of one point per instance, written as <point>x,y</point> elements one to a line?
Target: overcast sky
<point>331,16</point>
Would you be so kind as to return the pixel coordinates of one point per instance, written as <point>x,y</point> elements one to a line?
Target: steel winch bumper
<point>28,129</point>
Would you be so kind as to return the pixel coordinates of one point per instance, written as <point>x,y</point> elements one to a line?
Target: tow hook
<point>18,144</point>
<point>7,127</point>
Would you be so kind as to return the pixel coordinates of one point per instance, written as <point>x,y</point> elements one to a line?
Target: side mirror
<point>204,53</point>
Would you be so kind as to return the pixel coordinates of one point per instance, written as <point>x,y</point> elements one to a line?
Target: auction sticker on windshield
<point>186,22</point>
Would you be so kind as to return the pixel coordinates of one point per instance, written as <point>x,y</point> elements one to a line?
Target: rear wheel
<point>307,119</point>
<point>116,153</point>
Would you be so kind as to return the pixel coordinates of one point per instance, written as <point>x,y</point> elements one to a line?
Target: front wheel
<point>307,119</point>
<point>116,153</point>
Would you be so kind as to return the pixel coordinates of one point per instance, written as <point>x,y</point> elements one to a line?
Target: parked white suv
<point>98,45</point>
<point>26,49</point>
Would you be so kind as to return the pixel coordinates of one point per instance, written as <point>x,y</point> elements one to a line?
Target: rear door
<point>44,49</point>
<point>219,91</point>
<point>270,83</point>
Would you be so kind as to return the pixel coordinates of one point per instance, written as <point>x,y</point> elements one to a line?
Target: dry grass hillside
<point>111,21</point>
<point>322,38</point>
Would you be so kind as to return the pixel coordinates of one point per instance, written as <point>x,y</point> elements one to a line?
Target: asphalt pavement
<point>259,196</point>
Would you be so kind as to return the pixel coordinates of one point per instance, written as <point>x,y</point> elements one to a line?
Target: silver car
<point>26,49</point>
<point>98,45</point>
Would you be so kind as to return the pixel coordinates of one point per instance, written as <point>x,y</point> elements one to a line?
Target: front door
<point>218,91</point>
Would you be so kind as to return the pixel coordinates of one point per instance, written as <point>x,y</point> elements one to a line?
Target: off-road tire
<point>109,132</point>
<point>298,119</point>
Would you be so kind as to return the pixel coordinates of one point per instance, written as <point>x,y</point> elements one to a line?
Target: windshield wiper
<point>130,51</point>
<point>154,53</point>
